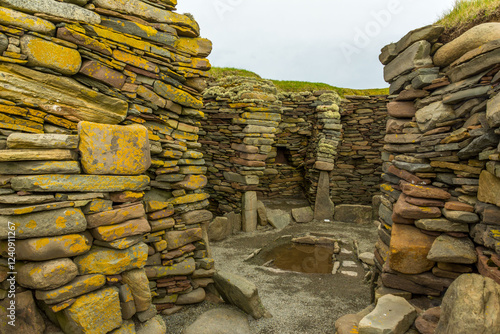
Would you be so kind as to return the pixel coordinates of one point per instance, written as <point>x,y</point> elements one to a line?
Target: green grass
<point>296,86</point>
<point>466,11</point>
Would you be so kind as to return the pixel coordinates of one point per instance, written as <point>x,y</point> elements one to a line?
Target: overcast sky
<point>332,41</point>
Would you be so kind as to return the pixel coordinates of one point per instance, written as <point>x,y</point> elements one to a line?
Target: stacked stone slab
<point>439,213</point>
<point>102,173</point>
<point>262,142</point>
<point>359,164</point>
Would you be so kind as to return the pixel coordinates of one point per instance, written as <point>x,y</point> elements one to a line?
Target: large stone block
<point>357,214</point>
<point>47,54</point>
<point>324,207</point>
<point>126,229</point>
<point>77,287</point>
<point>139,285</point>
<point>44,224</point>
<point>149,13</point>
<point>115,216</point>
<point>59,95</point>
<point>409,249</point>
<point>55,8</point>
<point>452,250</point>
<point>100,72</point>
<point>43,249</point>
<point>106,261</point>
<point>176,239</point>
<point>96,312</point>
<point>241,293</point>
<point>40,167</point>
<point>489,188</point>
<point>14,18</point>
<point>392,314</point>
<point>471,305</point>
<point>466,42</point>
<point>417,55</point>
<point>428,116</point>
<point>28,317</point>
<point>114,149</point>
<point>183,268</point>
<point>46,275</point>
<point>79,183</point>
<point>176,95</point>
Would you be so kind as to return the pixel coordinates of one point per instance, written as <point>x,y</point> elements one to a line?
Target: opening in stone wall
<point>282,156</point>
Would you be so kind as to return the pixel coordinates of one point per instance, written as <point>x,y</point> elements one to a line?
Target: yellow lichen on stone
<point>14,18</point>
<point>114,149</point>
<point>51,55</point>
<point>189,199</point>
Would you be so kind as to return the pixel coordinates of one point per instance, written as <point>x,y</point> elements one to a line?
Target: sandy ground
<point>299,303</point>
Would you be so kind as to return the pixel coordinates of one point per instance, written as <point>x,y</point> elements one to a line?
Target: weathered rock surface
<point>417,55</point>
<point>46,275</point>
<point>100,260</point>
<point>303,215</point>
<point>44,224</point>
<point>77,287</point>
<point>409,249</point>
<point>349,213</point>
<point>113,149</point>
<point>391,315</point>
<point>240,292</point>
<point>28,318</point>
<point>79,183</point>
<point>219,321</point>
<point>471,305</point>
<point>59,95</point>
<point>138,283</point>
<point>470,40</point>
<point>455,250</point>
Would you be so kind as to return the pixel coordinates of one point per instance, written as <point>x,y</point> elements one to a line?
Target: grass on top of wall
<point>467,14</point>
<point>296,86</point>
<point>465,11</point>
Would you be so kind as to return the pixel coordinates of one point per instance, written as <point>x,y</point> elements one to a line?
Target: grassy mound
<point>296,86</point>
<point>466,14</point>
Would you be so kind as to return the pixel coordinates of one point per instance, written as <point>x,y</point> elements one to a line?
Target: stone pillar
<point>249,211</point>
<point>324,207</point>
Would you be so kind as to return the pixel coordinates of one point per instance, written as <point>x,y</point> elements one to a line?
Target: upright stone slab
<point>114,149</point>
<point>324,207</point>
<point>417,55</point>
<point>249,211</point>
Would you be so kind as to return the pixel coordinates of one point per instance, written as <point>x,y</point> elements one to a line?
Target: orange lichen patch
<point>61,222</point>
<point>83,284</point>
<point>19,124</point>
<point>193,182</point>
<point>51,55</point>
<point>177,95</point>
<point>73,34</point>
<point>189,199</point>
<point>14,18</point>
<point>131,59</point>
<point>182,135</point>
<point>118,37</point>
<point>198,47</point>
<point>263,116</point>
<point>387,187</point>
<point>95,312</point>
<point>151,97</point>
<point>118,231</point>
<point>114,149</point>
<point>107,261</point>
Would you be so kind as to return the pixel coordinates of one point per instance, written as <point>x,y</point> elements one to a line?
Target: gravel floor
<point>299,303</point>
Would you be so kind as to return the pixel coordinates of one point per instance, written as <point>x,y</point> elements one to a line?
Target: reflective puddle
<point>302,258</point>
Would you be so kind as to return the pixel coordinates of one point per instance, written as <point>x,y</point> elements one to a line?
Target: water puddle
<point>302,258</point>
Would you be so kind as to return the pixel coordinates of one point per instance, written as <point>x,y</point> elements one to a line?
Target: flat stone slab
<point>240,292</point>
<point>14,18</point>
<point>44,224</point>
<point>46,275</point>
<point>40,167</point>
<point>46,140</point>
<point>303,215</point>
<point>55,8</point>
<point>453,250</point>
<point>106,261</point>
<point>77,287</point>
<point>220,321</point>
<point>391,315</point>
<point>79,183</point>
<point>279,219</point>
<point>37,154</point>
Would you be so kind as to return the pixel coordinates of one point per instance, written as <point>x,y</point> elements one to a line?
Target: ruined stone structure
<point>259,142</point>
<point>440,211</point>
<point>102,201</point>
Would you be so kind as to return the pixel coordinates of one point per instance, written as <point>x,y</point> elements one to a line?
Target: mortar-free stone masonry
<point>115,155</point>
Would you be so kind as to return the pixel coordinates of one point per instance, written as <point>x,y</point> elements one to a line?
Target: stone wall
<point>102,174</point>
<point>440,211</point>
<point>359,160</point>
<point>273,144</point>
<point>259,142</point>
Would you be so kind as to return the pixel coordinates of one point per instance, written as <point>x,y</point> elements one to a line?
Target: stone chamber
<point>120,162</point>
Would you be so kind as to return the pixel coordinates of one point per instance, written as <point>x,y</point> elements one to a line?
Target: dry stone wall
<point>440,211</point>
<point>259,142</point>
<point>359,159</point>
<point>101,174</point>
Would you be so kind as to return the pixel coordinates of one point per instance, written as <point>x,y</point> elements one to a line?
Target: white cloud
<point>304,40</point>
